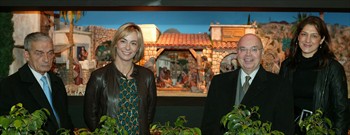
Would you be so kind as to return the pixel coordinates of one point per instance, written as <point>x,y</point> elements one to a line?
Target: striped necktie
<point>246,84</point>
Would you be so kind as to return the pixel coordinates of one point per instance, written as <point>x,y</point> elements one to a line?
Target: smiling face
<point>40,56</point>
<point>309,40</point>
<point>249,52</point>
<point>127,47</point>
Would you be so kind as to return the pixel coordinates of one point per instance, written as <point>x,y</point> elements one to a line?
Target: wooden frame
<point>181,5</point>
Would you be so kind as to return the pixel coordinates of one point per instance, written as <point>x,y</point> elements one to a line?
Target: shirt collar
<point>38,76</point>
<point>252,75</point>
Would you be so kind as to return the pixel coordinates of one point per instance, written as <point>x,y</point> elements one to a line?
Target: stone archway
<point>228,62</point>
<point>218,57</point>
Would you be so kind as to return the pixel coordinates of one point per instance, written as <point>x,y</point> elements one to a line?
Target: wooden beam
<point>159,52</point>
<point>194,53</point>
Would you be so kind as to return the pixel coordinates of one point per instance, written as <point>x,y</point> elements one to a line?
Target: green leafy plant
<point>20,122</point>
<point>108,127</point>
<point>6,43</point>
<point>240,122</point>
<point>177,129</point>
<point>316,124</point>
<point>63,131</point>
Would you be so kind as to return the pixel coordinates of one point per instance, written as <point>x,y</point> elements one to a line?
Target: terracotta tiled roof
<point>224,45</point>
<point>182,41</point>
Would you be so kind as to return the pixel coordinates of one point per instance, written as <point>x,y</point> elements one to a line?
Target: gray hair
<point>33,37</point>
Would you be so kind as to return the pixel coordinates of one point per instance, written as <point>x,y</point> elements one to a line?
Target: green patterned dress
<point>128,106</point>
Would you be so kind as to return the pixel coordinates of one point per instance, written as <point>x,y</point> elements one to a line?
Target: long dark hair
<point>324,51</point>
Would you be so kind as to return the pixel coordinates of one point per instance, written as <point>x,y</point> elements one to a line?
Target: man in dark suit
<point>35,86</point>
<point>268,91</point>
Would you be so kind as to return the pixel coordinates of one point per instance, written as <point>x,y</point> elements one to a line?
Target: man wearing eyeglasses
<point>35,86</point>
<point>250,85</point>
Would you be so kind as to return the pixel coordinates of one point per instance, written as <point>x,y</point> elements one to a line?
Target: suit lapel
<point>233,82</point>
<point>54,87</point>
<point>55,83</point>
<point>257,86</point>
<point>36,90</point>
<point>55,99</point>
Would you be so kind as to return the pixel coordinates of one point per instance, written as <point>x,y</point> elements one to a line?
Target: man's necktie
<point>48,94</point>
<point>246,84</point>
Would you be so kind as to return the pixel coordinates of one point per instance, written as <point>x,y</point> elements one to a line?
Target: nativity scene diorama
<point>180,61</point>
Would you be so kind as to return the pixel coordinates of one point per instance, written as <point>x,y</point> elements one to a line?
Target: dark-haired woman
<point>318,80</point>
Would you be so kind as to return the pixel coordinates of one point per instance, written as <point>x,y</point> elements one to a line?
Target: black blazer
<point>23,87</point>
<point>268,91</point>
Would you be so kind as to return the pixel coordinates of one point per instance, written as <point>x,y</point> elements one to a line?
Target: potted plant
<point>316,124</point>
<point>6,43</point>
<point>177,129</point>
<point>20,122</point>
<point>239,121</point>
<point>108,127</point>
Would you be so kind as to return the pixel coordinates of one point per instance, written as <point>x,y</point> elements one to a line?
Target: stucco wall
<point>24,22</point>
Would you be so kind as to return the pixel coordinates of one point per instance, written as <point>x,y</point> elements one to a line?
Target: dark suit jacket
<point>24,88</point>
<point>268,91</point>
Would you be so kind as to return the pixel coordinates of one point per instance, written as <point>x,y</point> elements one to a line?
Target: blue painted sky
<point>196,21</point>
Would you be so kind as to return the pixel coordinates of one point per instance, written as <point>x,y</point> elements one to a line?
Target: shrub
<point>177,129</point>
<point>20,122</point>
<point>239,121</point>
<point>316,124</point>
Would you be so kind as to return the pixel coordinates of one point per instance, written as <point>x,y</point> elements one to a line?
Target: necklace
<point>119,69</point>
<point>126,75</point>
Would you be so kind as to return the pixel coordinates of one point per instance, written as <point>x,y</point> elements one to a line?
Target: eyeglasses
<point>252,50</point>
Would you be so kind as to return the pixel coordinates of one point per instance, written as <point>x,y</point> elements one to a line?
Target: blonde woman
<point>122,89</point>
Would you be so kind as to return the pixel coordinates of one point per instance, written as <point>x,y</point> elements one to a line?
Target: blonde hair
<point>122,32</point>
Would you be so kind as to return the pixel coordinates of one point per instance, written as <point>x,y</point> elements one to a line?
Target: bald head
<point>250,38</point>
<point>249,52</point>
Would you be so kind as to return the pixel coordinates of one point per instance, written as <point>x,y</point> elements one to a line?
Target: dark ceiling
<point>179,5</point>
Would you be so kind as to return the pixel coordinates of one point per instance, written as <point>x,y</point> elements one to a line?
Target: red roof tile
<point>224,45</point>
<point>182,41</point>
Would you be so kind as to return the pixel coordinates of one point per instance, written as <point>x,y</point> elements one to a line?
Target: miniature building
<point>197,50</point>
<point>82,39</point>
